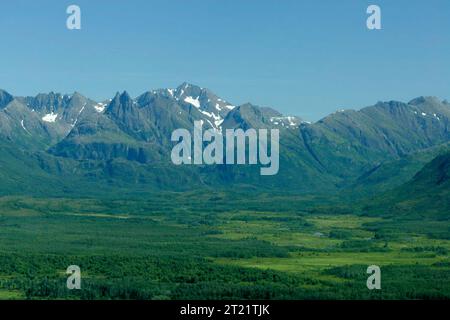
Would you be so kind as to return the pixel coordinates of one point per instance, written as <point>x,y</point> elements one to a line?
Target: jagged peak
<point>5,98</point>
<point>76,94</point>
<point>125,95</point>
<point>186,85</point>
<point>122,102</point>
<point>188,89</point>
<point>122,98</point>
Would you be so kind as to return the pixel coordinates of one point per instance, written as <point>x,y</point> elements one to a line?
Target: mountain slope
<point>391,174</point>
<point>349,143</point>
<point>128,141</point>
<point>425,196</point>
<point>41,121</point>
<point>435,175</point>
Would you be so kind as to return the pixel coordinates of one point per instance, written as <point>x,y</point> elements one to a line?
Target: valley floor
<point>217,246</point>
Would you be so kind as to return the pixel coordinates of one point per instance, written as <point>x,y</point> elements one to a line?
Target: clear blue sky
<point>306,58</point>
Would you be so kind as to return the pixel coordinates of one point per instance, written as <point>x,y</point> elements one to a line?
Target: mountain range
<point>66,143</point>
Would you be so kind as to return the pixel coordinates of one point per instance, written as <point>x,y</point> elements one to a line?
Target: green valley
<point>169,247</point>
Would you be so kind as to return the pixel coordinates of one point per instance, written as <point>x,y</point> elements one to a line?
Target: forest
<point>173,247</point>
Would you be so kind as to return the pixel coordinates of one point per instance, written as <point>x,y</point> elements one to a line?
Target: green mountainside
<point>429,191</point>
<point>126,142</point>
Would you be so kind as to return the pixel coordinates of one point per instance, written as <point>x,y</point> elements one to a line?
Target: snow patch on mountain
<point>23,126</point>
<point>100,107</point>
<point>81,110</point>
<point>50,117</point>
<point>195,102</point>
<point>285,121</point>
